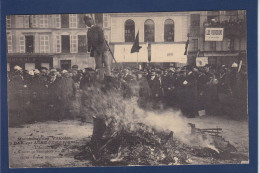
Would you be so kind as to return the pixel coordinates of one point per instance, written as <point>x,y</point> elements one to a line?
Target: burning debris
<point>124,134</point>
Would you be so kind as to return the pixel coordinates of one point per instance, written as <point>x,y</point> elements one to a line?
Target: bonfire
<point>133,136</point>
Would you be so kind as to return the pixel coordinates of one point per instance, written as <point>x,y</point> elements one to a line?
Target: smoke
<point>124,113</point>
<point>174,121</point>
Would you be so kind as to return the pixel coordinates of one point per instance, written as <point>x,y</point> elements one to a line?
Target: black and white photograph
<point>127,89</point>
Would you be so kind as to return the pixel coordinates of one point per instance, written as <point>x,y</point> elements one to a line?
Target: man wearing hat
<point>88,79</point>
<point>98,48</point>
<point>155,85</point>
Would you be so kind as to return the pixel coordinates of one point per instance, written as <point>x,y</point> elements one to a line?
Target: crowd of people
<point>191,89</point>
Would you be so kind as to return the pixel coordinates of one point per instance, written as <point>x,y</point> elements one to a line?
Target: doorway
<point>65,64</point>
<point>29,46</point>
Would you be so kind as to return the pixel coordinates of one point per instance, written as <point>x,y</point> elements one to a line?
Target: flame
<point>124,113</point>
<point>213,148</point>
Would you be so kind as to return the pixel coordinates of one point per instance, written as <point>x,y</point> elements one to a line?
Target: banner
<point>168,53</point>
<point>214,34</point>
<point>159,53</point>
<point>122,53</point>
<point>201,61</point>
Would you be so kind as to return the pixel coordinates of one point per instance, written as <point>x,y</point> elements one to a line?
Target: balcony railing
<point>232,29</point>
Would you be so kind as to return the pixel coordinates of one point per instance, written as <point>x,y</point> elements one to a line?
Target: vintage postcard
<point>127,89</point>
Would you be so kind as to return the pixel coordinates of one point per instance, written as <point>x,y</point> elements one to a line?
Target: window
<point>149,31</point>
<point>8,21</point>
<point>231,44</point>
<point>65,43</point>
<point>22,44</point>
<point>57,21</point>
<point>213,16</point>
<point>29,44</point>
<point>105,20</point>
<point>43,20</point>
<point>33,21</point>
<point>195,19</point>
<point>9,43</point>
<point>195,44</point>
<point>212,45</point>
<point>82,43</point>
<point>58,44</point>
<point>241,14</point>
<point>19,21</point>
<point>44,44</point>
<point>233,14</point>
<point>26,21</point>
<point>168,30</point>
<point>129,31</point>
<point>65,21</point>
<point>74,44</point>
<point>73,20</point>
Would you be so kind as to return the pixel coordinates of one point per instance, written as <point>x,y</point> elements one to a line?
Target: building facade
<point>162,35</point>
<point>174,28</point>
<point>230,49</point>
<point>60,40</point>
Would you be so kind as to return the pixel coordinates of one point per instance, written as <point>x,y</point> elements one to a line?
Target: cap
<point>36,71</point>
<point>44,68</point>
<point>17,68</point>
<point>53,70</point>
<point>64,71</point>
<point>31,72</point>
<point>89,69</point>
<point>234,64</point>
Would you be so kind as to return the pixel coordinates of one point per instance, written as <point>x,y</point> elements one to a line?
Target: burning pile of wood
<point>119,138</point>
<point>147,146</point>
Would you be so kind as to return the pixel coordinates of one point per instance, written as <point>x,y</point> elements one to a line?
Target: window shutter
<point>9,43</point>
<point>57,21</point>
<point>73,43</point>
<point>47,44</point>
<point>41,43</point>
<point>8,21</point>
<point>22,44</point>
<point>58,44</point>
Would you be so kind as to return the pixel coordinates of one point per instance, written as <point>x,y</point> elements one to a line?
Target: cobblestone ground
<point>54,144</point>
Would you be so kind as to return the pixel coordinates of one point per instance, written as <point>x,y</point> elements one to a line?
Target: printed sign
<point>201,61</point>
<point>214,34</point>
<point>168,53</point>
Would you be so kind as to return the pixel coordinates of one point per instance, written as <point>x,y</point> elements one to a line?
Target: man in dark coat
<point>98,48</point>
<point>169,85</point>
<point>65,92</point>
<point>144,90</point>
<point>88,79</point>
<point>187,93</point>
<point>16,94</point>
<point>155,85</point>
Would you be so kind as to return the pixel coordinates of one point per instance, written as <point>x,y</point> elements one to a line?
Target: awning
<point>29,58</point>
<point>231,54</point>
